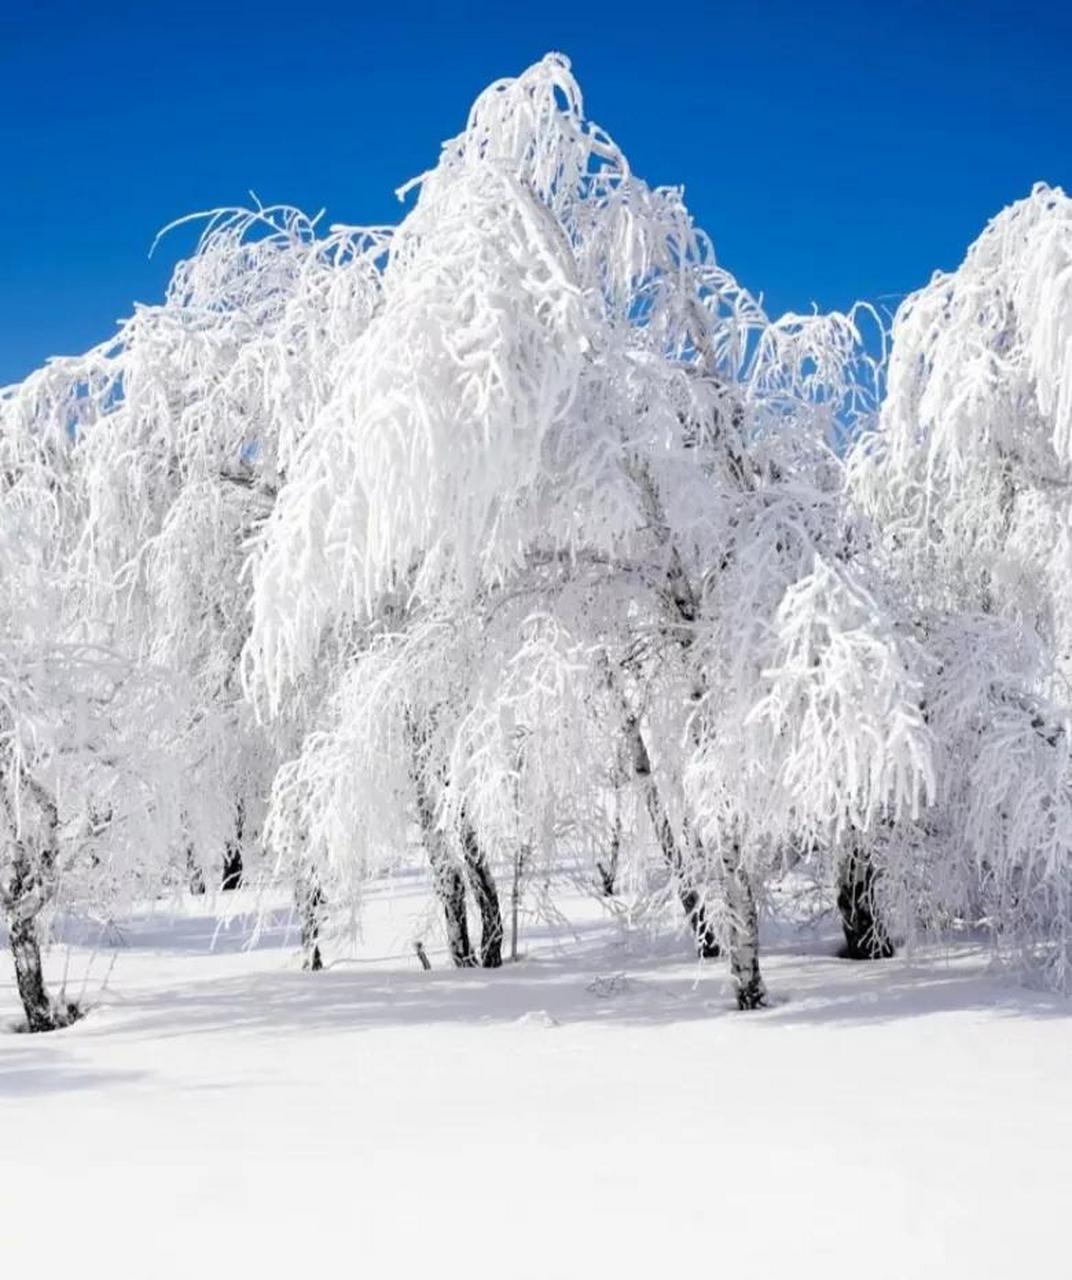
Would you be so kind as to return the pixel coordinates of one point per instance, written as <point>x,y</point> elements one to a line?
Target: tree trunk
<point>448,882</point>
<point>608,871</point>
<point>310,911</point>
<point>691,900</point>
<point>744,931</point>
<point>197,876</point>
<point>26,950</point>
<point>520,858</point>
<point>866,936</point>
<point>232,868</point>
<point>23,898</point>
<point>482,884</point>
<point>446,875</point>
<point>232,855</point>
<point>450,890</point>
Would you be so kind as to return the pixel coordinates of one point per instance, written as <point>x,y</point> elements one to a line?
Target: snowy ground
<point>596,1110</point>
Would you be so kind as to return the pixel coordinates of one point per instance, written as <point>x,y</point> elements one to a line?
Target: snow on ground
<point>596,1110</point>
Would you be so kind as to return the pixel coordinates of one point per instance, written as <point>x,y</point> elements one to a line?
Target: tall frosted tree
<point>96,746</point>
<point>968,480</point>
<point>182,425</point>
<point>572,493</point>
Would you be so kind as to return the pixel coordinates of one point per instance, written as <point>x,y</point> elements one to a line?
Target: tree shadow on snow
<point>586,981</point>
<point>192,933</point>
<point>833,991</point>
<point>32,1076</point>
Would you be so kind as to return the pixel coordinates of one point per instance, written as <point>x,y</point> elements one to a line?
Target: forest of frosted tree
<point>517,544</point>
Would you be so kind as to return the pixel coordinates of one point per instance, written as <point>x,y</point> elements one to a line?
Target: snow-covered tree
<point>183,424</point>
<point>968,481</point>
<point>134,477</point>
<point>94,746</point>
<point>570,502</point>
<point>553,565</point>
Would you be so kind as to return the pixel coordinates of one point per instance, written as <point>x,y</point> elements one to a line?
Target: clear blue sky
<point>832,150</point>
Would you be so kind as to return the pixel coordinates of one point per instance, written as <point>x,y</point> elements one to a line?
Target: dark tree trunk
<point>449,887</point>
<point>608,868</point>
<point>232,868</point>
<point>520,860</point>
<point>608,871</point>
<point>482,884</point>
<point>707,946</point>
<point>197,876</point>
<point>744,931</point>
<point>232,855</point>
<point>310,910</point>
<point>866,936</point>
<point>447,877</point>
<point>450,890</point>
<point>691,900</point>
<point>26,950</point>
<point>23,898</point>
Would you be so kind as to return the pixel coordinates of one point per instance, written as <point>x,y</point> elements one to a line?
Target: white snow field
<point>598,1109</point>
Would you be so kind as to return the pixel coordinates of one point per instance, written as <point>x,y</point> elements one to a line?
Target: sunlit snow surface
<point>596,1110</point>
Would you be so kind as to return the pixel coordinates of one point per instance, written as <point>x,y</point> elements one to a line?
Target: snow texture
<point>597,1109</point>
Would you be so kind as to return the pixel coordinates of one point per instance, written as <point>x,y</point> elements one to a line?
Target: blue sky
<point>831,150</point>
